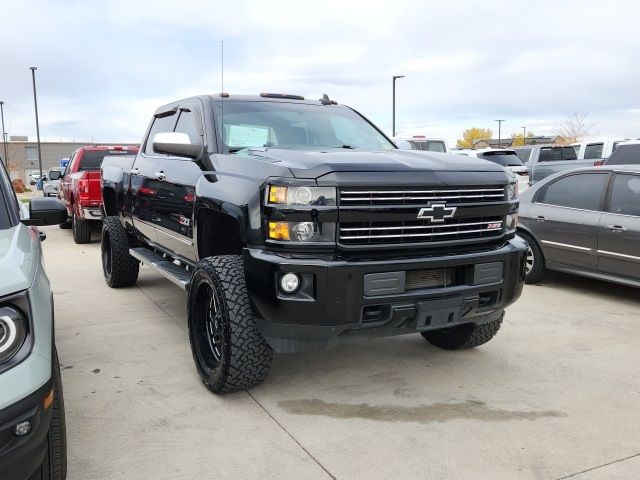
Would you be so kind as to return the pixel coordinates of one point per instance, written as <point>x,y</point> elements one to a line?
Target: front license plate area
<point>439,313</point>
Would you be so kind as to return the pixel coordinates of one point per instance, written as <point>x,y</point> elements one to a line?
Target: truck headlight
<point>13,332</point>
<point>302,231</point>
<point>301,195</point>
<point>512,191</point>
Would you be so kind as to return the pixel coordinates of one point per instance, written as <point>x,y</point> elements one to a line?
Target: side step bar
<point>163,266</point>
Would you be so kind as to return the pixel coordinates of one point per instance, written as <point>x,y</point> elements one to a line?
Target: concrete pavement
<point>554,395</point>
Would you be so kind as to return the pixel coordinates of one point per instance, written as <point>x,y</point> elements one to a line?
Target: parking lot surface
<point>554,395</point>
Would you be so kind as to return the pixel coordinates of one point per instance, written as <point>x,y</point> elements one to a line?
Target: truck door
<point>143,181</point>
<point>175,189</point>
<point>619,232</point>
<point>565,218</point>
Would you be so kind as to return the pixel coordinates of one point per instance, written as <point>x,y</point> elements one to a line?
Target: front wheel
<point>54,466</point>
<point>535,268</point>
<point>468,335</point>
<point>228,349</point>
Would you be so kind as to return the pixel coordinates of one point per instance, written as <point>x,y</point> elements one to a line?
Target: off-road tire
<point>538,269</point>
<point>81,229</point>
<point>245,357</point>
<point>119,267</point>
<point>54,466</point>
<point>468,335</point>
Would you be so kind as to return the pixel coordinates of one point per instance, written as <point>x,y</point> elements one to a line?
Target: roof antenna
<point>325,100</point>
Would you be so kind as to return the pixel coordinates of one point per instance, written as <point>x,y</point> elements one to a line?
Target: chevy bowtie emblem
<point>436,212</point>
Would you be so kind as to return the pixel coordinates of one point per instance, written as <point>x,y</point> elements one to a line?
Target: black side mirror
<point>55,175</point>
<point>46,211</point>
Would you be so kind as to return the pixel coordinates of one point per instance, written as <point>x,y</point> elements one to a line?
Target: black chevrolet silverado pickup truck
<point>296,224</point>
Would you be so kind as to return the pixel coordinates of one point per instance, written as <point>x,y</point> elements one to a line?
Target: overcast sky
<point>103,67</point>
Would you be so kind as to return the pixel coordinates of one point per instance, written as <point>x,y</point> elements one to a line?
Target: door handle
<point>134,171</point>
<point>159,175</point>
<point>616,228</point>
<point>540,218</point>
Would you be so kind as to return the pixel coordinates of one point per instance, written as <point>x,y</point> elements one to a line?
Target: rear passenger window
<point>625,195</point>
<point>583,191</point>
<point>160,124</point>
<point>187,124</point>
<point>593,151</point>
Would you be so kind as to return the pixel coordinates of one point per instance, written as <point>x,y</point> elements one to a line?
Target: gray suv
<point>32,424</point>
<point>584,221</point>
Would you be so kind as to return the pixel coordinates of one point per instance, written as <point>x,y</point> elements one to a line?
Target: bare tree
<point>574,127</point>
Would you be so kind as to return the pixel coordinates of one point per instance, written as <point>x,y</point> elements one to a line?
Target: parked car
<point>544,160</point>
<point>32,421</point>
<point>584,221</point>
<point>50,187</point>
<point>420,142</point>
<point>468,152</point>
<point>34,177</point>
<point>596,150</point>
<point>505,158</point>
<point>296,224</point>
<point>626,153</point>
<point>79,188</point>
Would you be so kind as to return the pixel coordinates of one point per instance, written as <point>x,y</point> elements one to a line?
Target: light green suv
<point>32,426</point>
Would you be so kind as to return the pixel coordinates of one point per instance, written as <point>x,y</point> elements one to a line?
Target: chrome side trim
<point>566,245</point>
<point>175,236</point>
<point>621,255</point>
<point>569,208</point>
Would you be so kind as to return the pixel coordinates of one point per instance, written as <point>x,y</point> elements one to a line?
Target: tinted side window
<point>593,151</point>
<point>160,124</point>
<point>523,154</point>
<point>625,155</point>
<point>625,195</point>
<point>576,191</point>
<point>187,124</point>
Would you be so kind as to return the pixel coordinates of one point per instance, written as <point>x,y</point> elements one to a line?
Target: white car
<point>505,157</point>
<point>597,149</point>
<point>420,142</point>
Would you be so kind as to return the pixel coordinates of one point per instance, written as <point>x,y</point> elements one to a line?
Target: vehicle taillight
<point>83,189</point>
<point>598,163</point>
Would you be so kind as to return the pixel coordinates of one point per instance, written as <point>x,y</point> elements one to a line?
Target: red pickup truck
<point>80,189</point>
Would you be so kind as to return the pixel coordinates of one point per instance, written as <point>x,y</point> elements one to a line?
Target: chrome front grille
<point>414,196</point>
<point>420,231</point>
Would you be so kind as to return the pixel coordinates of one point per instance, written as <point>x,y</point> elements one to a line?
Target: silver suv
<point>32,424</point>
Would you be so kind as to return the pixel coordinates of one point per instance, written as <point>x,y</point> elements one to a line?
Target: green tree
<point>471,135</point>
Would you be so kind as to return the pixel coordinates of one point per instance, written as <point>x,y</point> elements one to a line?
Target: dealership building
<point>22,155</point>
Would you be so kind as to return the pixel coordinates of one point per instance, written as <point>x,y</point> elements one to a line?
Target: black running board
<point>164,266</point>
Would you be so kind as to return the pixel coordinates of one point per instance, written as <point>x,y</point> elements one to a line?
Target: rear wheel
<point>81,229</point>
<point>464,336</point>
<point>54,466</point>
<point>119,267</point>
<point>535,268</point>
<point>228,349</point>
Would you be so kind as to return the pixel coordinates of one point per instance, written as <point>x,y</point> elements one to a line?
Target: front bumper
<point>336,301</point>
<point>21,456</point>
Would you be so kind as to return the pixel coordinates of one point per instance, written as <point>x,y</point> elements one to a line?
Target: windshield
<point>506,159</point>
<point>625,155</point>
<point>428,145</point>
<point>295,125</point>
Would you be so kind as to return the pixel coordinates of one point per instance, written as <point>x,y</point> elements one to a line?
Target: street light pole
<point>35,103</point>
<point>4,135</point>
<point>393,114</point>
<point>499,132</point>
<point>524,136</point>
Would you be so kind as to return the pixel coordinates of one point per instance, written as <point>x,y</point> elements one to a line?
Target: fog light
<point>21,429</point>
<point>289,282</point>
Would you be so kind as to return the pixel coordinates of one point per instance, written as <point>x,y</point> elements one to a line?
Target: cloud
<point>104,67</point>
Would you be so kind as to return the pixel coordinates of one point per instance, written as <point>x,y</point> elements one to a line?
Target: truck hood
<point>19,257</point>
<point>316,163</point>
